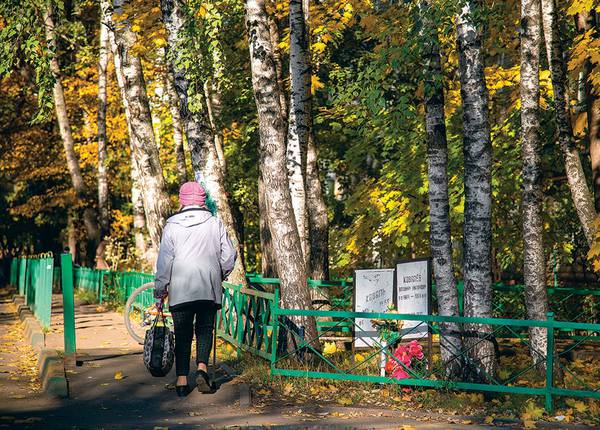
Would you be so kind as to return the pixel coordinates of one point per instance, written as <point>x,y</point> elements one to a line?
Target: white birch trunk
<point>580,193</point>
<point>139,218</point>
<point>272,158</point>
<point>103,57</point>
<point>89,214</point>
<point>299,119</point>
<point>130,77</point>
<point>199,132</point>
<point>534,262</point>
<point>267,259</point>
<point>274,34</point>
<point>439,205</point>
<point>478,194</point>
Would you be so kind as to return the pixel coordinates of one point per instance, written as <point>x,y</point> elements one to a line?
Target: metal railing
<point>33,276</point>
<point>245,319</point>
<point>553,374</point>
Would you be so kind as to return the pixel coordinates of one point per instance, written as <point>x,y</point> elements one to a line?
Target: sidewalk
<point>136,400</point>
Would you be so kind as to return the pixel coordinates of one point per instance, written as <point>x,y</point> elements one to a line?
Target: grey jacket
<point>195,256</point>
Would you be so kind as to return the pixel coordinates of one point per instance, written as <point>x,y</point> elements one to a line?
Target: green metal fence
<point>90,280</point>
<point>33,277</point>
<point>556,375</point>
<point>22,275</point>
<point>245,319</point>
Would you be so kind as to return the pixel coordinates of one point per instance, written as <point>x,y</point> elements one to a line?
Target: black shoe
<point>183,390</point>
<point>203,382</point>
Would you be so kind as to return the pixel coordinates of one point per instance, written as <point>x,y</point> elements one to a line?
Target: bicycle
<point>141,311</point>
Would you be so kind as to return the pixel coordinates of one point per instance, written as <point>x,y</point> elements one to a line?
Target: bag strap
<point>161,314</point>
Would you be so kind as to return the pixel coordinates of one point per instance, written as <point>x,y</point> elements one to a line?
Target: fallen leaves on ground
<point>119,375</point>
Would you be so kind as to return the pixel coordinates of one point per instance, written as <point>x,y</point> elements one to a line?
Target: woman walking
<point>195,256</point>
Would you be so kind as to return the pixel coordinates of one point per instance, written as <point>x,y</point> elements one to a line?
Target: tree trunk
<point>267,257</point>
<point>213,109</point>
<point>587,21</point>
<point>177,129</point>
<point>534,262</point>
<point>299,119</point>
<point>478,197</point>
<point>580,193</point>
<point>199,133</point>
<point>272,162</point>
<point>274,34</point>
<point>439,205</point>
<point>318,221</point>
<point>139,219</point>
<point>72,236</point>
<point>130,77</point>
<point>103,213</point>
<point>89,214</point>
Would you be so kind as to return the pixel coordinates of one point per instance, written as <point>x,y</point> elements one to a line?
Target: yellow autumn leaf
<point>119,375</point>
<point>532,412</point>
<point>287,389</point>
<point>489,419</point>
<point>407,427</point>
<point>319,47</point>
<point>344,401</point>
<point>136,28</point>
<point>528,424</point>
<point>359,358</point>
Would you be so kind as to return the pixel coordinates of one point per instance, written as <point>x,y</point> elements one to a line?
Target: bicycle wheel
<point>140,312</point>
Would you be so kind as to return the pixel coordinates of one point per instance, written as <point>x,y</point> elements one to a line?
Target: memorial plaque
<point>413,294</point>
<point>373,292</point>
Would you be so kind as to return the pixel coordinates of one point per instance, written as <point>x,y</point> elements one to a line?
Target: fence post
<point>275,328</point>
<point>66,263</point>
<point>43,293</point>
<point>549,362</point>
<point>22,276</point>
<point>240,322</point>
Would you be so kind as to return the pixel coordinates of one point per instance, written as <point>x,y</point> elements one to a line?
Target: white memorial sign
<point>413,286</point>
<point>373,292</point>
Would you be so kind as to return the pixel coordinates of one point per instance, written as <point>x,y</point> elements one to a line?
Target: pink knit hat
<point>192,193</point>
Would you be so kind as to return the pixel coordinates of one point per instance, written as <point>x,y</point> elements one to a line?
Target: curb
<point>51,367</point>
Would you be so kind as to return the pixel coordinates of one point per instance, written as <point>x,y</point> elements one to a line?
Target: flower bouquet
<point>406,357</point>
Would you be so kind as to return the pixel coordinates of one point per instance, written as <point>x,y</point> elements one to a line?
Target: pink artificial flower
<point>415,349</point>
<point>403,355</point>
<point>400,373</point>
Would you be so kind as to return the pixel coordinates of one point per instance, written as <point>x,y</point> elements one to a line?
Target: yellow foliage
<point>329,348</point>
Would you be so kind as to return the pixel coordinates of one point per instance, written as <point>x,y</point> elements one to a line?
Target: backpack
<point>159,348</point>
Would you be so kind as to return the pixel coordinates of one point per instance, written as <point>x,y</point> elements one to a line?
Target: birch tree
<point>534,263</point>
<point>198,130</point>
<point>272,158</point>
<point>439,206</point>
<point>130,77</point>
<point>267,257</point>
<point>103,57</point>
<point>477,150</point>
<point>305,185</point>
<point>81,191</point>
<point>137,208</point>
<point>299,119</point>
<point>580,193</point>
